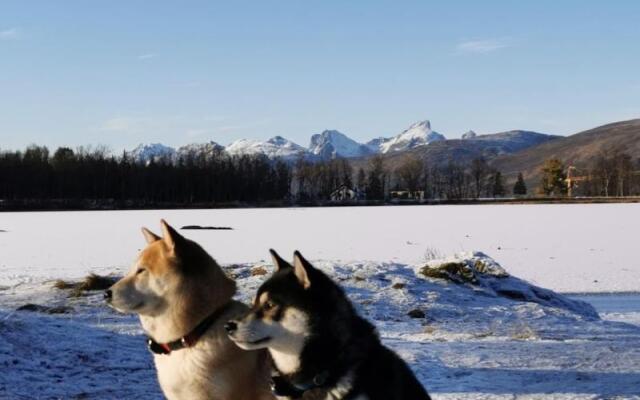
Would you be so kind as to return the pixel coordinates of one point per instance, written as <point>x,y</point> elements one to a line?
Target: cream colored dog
<point>184,299</point>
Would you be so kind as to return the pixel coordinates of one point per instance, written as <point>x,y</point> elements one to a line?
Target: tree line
<point>377,181</point>
<point>610,173</point>
<point>94,174</point>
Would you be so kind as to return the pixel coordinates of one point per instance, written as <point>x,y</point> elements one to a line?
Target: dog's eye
<point>140,270</point>
<point>269,305</point>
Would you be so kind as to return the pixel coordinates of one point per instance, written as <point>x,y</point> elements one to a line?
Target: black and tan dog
<point>321,348</point>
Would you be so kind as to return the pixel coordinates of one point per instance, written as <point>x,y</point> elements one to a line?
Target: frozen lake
<point>570,248</point>
<point>624,307</point>
<point>470,347</point>
<point>612,303</point>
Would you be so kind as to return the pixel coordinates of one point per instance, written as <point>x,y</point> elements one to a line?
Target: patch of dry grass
<point>431,254</point>
<point>258,271</point>
<point>452,271</point>
<point>92,282</point>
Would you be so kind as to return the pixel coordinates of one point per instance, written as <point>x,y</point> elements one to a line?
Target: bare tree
<point>411,172</point>
<point>479,171</point>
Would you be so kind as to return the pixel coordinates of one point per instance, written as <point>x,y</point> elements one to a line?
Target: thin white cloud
<point>9,34</point>
<point>481,46</point>
<point>146,56</point>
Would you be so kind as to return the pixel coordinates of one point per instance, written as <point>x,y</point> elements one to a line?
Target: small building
<point>407,195</point>
<point>345,193</point>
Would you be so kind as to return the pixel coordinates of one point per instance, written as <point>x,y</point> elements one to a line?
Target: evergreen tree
<point>520,188</point>
<point>376,178</point>
<point>553,178</point>
<point>346,172</point>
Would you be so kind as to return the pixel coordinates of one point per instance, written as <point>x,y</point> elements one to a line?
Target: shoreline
<point>112,205</point>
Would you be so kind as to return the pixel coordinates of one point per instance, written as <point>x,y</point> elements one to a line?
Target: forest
<point>67,178</point>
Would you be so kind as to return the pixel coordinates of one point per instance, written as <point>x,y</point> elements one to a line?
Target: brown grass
<point>90,283</point>
<point>258,271</point>
<point>452,271</point>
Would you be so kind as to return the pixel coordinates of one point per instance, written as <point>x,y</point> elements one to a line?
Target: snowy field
<point>567,248</point>
<point>475,342</point>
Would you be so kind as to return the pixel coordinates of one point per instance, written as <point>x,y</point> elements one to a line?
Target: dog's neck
<point>325,361</point>
<point>293,360</point>
<point>297,376</point>
<point>184,314</point>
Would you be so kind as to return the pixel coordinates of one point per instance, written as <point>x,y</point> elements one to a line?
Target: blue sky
<point>123,72</point>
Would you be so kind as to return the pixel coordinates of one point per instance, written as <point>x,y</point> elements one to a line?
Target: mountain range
<point>469,147</point>
<point>332,143</point>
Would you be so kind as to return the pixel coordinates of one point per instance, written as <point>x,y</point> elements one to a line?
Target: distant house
<point>407,195</point>
<point>345,193</point>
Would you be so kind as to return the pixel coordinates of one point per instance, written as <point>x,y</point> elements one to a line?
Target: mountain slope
<point>418,134</point>
<point>579,149</point>
<point>462,151</point>
<point>207,150</point>
<point>331,144</point>
<point>152,151</point>
<point>277,146</point>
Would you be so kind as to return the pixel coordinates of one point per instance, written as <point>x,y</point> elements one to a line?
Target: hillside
<point>579,149</point>
<point>464,150</point>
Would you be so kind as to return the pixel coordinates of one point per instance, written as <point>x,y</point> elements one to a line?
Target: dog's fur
<point>173,286</point>
<point>319,345</point>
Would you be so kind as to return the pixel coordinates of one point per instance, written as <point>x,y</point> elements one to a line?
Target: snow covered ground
<point>477,341</point>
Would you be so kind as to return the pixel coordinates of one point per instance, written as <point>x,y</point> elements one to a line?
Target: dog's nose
<point>108,294</point>
<point>231,326</point>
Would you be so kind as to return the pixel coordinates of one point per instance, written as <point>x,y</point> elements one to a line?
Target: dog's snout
<point>231,326</point>
<point>108,294</point>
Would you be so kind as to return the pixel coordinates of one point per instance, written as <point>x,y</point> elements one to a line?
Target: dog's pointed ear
<point>170,236</point>
<point>279,263</point>
<point>301,268</point>
<point>149,236</point>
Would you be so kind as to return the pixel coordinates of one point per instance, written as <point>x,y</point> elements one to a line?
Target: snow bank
<point>464,340</point>
<point>484,275</point>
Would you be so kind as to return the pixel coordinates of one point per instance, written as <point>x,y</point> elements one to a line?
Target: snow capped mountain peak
<point>144,153</point>
<point>280,141</point>
<point>424,125</point>
<point>208,149</point>
<point>332,144</point>
<point>469,135</point>
<point>418,134</point>
<point>276,146</point>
